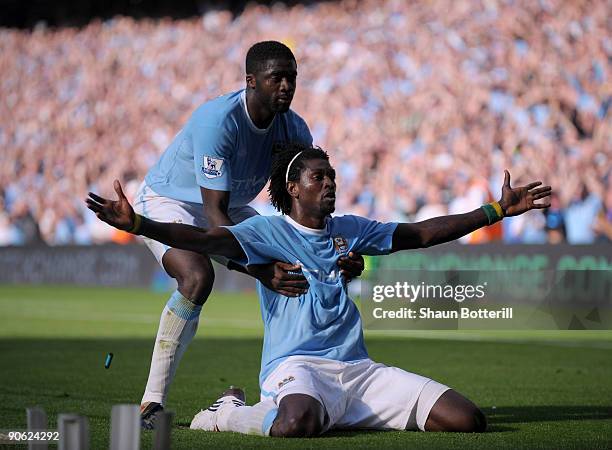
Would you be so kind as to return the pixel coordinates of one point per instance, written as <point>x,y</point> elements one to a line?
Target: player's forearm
<point>188,237</point>
<point>232,265</point>
<point>449,228</point>
<point>438,230</point>
<point>176,235</point>
<point>217,217</point>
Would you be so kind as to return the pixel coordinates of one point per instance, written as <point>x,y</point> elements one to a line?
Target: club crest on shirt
<point>340,244</point>
<point>211,167</point>
<point>287,380</point>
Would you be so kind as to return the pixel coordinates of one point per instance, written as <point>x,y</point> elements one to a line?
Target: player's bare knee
<point>312,425</point>
<point>470,420</point>
<point>196,285</point>
<point>297,427</point>
<point>300,424</point>
<point>282,427</point>
<point>454,412</point>
<point>480,421</point>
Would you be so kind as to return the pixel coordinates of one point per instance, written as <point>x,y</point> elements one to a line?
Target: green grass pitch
<point>538,389</point>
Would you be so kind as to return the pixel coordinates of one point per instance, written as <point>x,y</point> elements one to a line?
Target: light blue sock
<point>177,327</point>
<point>183,307</point>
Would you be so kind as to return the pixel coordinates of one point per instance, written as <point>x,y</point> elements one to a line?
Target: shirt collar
<point>250,122</point>
<point>306,230</point>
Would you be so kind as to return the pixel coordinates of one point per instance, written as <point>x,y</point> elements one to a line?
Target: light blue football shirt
<point>324,322</point>
<point>220,148</point>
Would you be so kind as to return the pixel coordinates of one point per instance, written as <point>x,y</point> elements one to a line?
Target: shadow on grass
<point>526,414</point>
<point>360,433</point>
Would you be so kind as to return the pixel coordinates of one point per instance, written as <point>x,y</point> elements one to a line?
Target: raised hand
<point>118,214</point>
<point>517,200</point>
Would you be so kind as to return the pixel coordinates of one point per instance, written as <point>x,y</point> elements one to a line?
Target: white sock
<point>177,326</point>
<point>256,419</point>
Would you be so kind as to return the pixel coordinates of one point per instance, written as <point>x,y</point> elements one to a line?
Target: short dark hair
<point>260,53</point>
<point>282,154</point>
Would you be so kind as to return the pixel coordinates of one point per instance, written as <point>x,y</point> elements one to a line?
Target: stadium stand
<point>421,104</point>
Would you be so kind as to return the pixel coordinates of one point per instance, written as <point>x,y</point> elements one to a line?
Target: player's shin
<point>177,327</point>
<point>256,419</point>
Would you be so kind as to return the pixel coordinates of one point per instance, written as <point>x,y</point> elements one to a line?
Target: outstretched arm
<point>120,214</point>
<point>438,230</point>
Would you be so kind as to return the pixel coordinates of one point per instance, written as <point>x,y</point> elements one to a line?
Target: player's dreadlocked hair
<point>282,155</point>
<point>264,51</point>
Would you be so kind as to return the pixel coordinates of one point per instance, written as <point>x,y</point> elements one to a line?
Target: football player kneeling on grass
<point>316,373</point>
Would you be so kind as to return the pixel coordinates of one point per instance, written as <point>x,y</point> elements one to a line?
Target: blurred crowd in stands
<point>421,105</point>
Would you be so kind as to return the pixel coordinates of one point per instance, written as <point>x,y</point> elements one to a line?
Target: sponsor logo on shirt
<point>211,167</point>
<point>340,244</point>
<point>250,185</point>
<point>287,380</point>
<point>318,274</point>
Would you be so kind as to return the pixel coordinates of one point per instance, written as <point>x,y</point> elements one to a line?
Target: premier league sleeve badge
<point>212,167</point>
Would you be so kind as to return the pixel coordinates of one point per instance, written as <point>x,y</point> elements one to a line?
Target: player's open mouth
<point>330,195</point>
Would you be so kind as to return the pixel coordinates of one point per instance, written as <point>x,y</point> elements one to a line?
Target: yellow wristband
<point>137,223</point>
<point>498,209</point>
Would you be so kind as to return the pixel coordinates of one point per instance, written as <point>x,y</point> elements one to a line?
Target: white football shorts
<point>163,209</point>
<point>357,395</point>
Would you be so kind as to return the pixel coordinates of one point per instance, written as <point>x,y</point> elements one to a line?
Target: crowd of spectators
<point>420,104</point>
